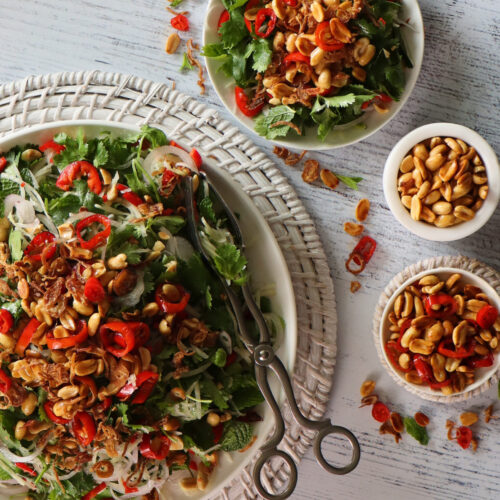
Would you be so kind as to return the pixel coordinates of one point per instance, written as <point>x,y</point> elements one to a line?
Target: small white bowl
<point>342,135</point>
<point>483,375</point>
<point>423,229</point>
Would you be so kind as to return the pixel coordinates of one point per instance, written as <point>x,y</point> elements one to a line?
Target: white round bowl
<point>483,375</point>
<point>421,228</point>
<point>342,135</point>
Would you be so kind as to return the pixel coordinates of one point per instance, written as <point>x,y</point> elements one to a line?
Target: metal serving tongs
<point>264,357</point>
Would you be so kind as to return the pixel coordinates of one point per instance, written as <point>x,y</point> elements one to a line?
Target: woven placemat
<point>458,262</point>
<point>120,98</point>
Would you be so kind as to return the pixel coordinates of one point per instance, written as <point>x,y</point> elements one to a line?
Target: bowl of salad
<point>313,75</point>
<point>122,371</point>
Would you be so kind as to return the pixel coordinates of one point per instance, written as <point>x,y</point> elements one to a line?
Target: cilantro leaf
<point>236,435</point>
<point>261,52</point>
<point>101,156</point>
<point>234,30</point>
<point>231,263</point>
<point>155,136</point>
<point>60,208</point>
<point>416,431</point>
<point>185,63</point>
<point>276,114</point>
<point>174,223</point>
<point>118,242</point>
<point>214,51</point>
<point>75,148</point>
<point>206,209</point>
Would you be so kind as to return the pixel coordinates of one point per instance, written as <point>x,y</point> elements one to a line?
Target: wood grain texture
<point>458,83</point>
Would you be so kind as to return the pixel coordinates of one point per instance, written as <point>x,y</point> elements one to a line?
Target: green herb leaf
<point>76,149</point>
<point>186,65</point>
<point>236,435</point>
<point>209,389</point>
<point>263,124</point>
<point>123,409</point>
<point>260,50</point>
<point>351,182</point>
<point>15,308</point>
<point>231,263</point>
<point>230,5</point>
<point>206,209</point>
<point>234,30</point>
<point>208,298</point>
<point>219,357</point>
<point>214,51</point>
<point>200,433</point>
<point>416,431</point>
<point>101,155</point>
<point>16,240</point>
<point>175,3</point>
<point>6,187</point>
<point>248,397</point>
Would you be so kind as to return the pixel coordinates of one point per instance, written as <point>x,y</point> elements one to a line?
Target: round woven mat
<point>128,99</point>
<point>459,262</point>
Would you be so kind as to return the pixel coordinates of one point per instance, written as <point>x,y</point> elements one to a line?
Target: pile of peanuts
<point>442,181</point>
<point>420,329</point>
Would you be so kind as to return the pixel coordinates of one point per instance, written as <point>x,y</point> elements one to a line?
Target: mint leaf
<point>185,63</point>
<point>236,435</point>
<point>208,298</point>
<point>351,182</point>
<point>276,114</point>
<point>416,431</point>
<point>6,187</point>
<point>101,155</point>
<point>230,263</point>
<point>208,388</point>
<point>175,3</point>
<point>248,397</point>
<point>200,433</point>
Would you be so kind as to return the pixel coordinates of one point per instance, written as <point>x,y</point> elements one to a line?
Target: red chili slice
<point>487,316</point>
<point>98,239</point>
<point>423,369</point>
<point>129,489</point>
<point>180,22</point>
<point>482,362</point>
<point>94,492</point>
<point>291,3</point>
<point>380,412</point>
<point>6,321</point>
<point>441,299</point>
<point>117,338</point>
<point>392,352</point>
<point>217,431</point>
<point>94,291</point>
<point>156,448</point>
<point>43,241</point>
<point>251,5</point>
<point>54,343</point>
<point>74,171</point>
<point>437,385</point>
<point>231,359</point>
<point>296,57</point>
<point>464,436</point>
<point>5,382</point>
<point>25,338</point>
<point>144,385</point>
<point>224,17</point>
<point>127,194</point>
<point>3,163</point>
<point>265,15</point>
<point>446,349</point>
<point>196,158</point>
<point>172,307</point>
<point>26,468</point>
<point>52,148</point>
<point>324,38</point>
<point>48,407</point>
<point>84,428</point>
<point>244,104</point>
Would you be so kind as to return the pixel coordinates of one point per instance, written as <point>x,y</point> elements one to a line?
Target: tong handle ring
<point>330,430</point>
<point>265,456</point>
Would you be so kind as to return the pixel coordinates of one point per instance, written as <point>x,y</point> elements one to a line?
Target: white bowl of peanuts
<point>442,181</point>
<point>440,333</point>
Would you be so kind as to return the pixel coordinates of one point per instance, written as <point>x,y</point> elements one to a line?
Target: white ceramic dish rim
<point>485,373</point>
<point>224,87</point>
<point>402,148</point>
<point>223,475</point>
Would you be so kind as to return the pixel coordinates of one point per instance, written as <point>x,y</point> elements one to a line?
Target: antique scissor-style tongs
<point>264,357</point>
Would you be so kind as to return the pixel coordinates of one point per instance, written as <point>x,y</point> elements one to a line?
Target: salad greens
<point>200,390</point>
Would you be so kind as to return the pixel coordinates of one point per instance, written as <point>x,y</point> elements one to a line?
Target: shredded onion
<point>180,247</point>
<point>25,211</point>
<point>18,458</point>
<point>168,156</point>
<point>225,340</point>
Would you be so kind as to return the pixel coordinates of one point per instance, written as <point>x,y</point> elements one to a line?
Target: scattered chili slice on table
<point>54,343</point>
<point>361,254</point>
<point>48,407</point>
<point>172,307</point>
<point>265,15</point>
<point>94,492</point>
<point>440,299</point>
<point>486,316</point>
<point>76,170</point>
<point>380,412</point>
<point>5,382</point>
<point>464,436</point>
<point>25,338</point>
<point>94,291</point>
<point>99,238</point>
<point>155,447</point>
<point>84,428</point>
<point>42,242</point>
<point>324,38</point>
<point>244,104</point>
<point>180,22</point>
<point>6,321</point>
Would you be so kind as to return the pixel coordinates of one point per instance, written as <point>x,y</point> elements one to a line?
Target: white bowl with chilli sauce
<point>483,376</point>
<point>405,147</point>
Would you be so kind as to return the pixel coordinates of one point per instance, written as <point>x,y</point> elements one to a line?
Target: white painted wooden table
<point>458,83</point>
